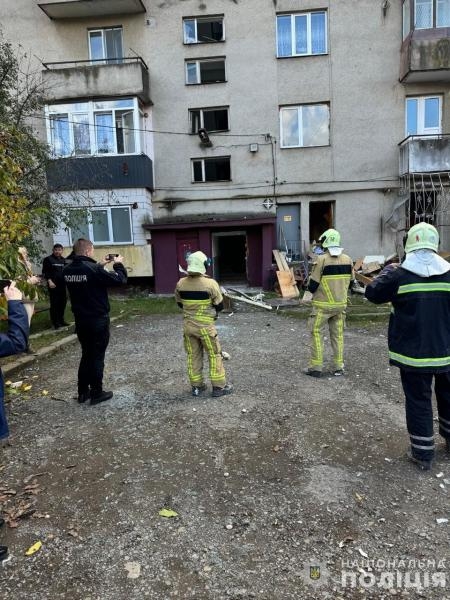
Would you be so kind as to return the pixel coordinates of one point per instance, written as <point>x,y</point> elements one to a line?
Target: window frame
<point>412,17</point>
<point>202,118</point>
<point>205,19</point>
<point>299,108</point>
<point>198,62</point>
<point>54,110</point>
<point>105,59</point>
<point>421,115</point>
<point>202,160</point>
<point>308,14</point>
<point>109,242</point>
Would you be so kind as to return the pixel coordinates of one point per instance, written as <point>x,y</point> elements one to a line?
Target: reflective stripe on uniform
<point>424,287</point>
<point>421,438</point>
<point>422,447</point>
<point>442,361</point>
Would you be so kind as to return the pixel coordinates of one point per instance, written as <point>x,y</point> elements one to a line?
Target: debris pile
<point>367,268</point>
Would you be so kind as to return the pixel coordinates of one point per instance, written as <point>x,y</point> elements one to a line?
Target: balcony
<point>79,9</point>
<point>425,56</point>
<point>425,154</point>
<point>100,173</point>
<point>96,79</point>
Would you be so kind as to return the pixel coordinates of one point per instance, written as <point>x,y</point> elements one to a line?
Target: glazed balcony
<point>109,78</point>
<point>425,154</point>
<point>425,56</point>
<point>79,9</point>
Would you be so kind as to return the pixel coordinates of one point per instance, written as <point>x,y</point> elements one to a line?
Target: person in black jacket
<point>419,336</point>
<point>87,282</point>
<point>52,270</point>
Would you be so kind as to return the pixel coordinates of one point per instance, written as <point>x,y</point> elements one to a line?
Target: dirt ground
<point>291,488</point>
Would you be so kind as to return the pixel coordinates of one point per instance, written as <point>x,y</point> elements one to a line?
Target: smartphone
<point>4,283</point>
<point>111,256</point>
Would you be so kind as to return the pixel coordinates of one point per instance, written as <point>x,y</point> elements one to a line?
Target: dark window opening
<point>321,218</point>
<point>211,119</point>
<point>212,71</point>
<point>209,31</point>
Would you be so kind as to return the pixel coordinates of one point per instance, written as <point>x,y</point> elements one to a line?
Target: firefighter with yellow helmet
<point>328,283</point>
<point>201,300</point>
<point>419,336</point>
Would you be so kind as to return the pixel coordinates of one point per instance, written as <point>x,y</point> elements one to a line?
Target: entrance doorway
<point>288,230</point>
<point>229,256</point>
<point>321,218</point>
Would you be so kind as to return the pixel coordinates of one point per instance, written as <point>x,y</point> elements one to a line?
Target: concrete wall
<point>358,78</point>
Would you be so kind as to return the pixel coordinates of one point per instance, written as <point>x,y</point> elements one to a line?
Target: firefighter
<point>419,336</point>
<point>328,283</point>
<point>201,300</point>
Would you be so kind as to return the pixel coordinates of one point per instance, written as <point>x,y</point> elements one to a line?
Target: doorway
<point>230,256</point>
<point>288,230</point>
<point>321,218</point>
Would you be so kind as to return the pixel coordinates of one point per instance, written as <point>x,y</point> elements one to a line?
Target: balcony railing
<point>79,9</point>
<point>425,154</point>
<point>112,77</point>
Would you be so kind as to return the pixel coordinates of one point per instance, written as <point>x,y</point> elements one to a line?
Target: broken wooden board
<point>372,267</point>
<point>279,260</point>
<point>358,264</point>
<point>363,279</point>
<point>287,285</point>
<point>244,298</point>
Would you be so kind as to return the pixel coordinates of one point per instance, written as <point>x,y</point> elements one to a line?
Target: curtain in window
<point>284,39</point>
<point>443,13</point>
<point>113,45</point>
<point>301,34</point>
<point>81,136</point>
<point>104,133</point>
<point>318,33</point>
<point>60,136</point>
<point>96,45</point>
<point>424,14</point>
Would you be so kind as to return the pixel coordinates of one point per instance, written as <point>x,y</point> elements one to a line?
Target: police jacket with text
<point>419,325</point>
<point>87,282</point>
<point>52,268</point>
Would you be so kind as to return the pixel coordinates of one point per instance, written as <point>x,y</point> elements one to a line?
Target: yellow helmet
<point>422,235</point>
<point>197,262</point>
<point>330,238</point>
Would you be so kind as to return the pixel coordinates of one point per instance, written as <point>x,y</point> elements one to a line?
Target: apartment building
<point>235,127</point>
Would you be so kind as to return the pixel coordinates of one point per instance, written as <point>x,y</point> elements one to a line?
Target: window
<point>97,127</point>
<point>423,115</point>
<point>211,70</point>
<point>305,125</point>
<point>106,225</point>
<point>211,119</point>
<point>211,169</point>
<point>302,34</point>
<point>427,14</point>
<point>106,44</point>
<point>203,30</point>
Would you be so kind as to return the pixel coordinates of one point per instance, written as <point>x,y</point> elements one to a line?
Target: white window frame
<point>197,63</point>
<point>299,108</point>
<point>422,130</point>
<point>202,161</point>
<point>434,16</point>
<point>54,110</point>
<point>202,120</point>
<point>110,242</point>
<point>196,19</point>
<point>308,33</point>
<point>105,58</point>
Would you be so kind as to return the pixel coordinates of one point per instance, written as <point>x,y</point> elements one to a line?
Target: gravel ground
<point>285,474</point>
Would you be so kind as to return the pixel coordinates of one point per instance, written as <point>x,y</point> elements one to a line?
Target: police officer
<point>87,282</point>
<point>328,283</point>
<point>201,300</point>
<point>52,270</point>
<point>419,336</point>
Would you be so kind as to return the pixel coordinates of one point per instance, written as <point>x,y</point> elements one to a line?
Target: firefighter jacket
<point>200,298</point>
<point>419,325</point>
<point>329,281</point>
<point>87,282</point>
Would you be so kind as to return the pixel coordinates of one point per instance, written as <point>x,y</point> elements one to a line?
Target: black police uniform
<point>52,268</point>
<point>87,282</point>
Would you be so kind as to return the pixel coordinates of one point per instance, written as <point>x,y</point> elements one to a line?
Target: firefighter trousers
<point>318,321</point>
<point>197,341</point>
<point>419,411</point>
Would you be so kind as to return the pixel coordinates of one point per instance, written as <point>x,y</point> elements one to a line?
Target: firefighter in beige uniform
<point>201,300</point>
<point>328,283</point>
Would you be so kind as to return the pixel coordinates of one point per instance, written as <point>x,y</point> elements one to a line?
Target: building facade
<point>237,127</point>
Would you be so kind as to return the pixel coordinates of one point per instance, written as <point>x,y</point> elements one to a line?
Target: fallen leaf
<point>45,392</point>
<point>27,388</point>
<point>33,549</point>
<point>168,513</point>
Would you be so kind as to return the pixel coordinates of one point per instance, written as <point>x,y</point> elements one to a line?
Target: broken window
<point>203,30</point>
<point>216,168</point>
<point>211,70</point>
<point>211,119</point>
